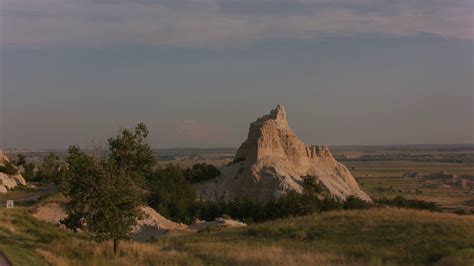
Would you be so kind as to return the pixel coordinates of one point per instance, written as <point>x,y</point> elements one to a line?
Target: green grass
<point>363,237</point>
<point>376,236</point>
<point>20,234</point>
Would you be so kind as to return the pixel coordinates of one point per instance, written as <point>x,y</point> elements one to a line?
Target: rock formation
<point>8,182</point>
<point>273,161</point>
<point>151,226</point>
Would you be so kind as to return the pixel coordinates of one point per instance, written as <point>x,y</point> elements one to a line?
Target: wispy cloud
<point>224,22</point>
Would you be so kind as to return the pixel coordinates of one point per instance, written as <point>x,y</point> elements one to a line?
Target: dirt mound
<point>151,226</point>
<point>273,161</point>
<point>218,222</point>
<point>50,213</point>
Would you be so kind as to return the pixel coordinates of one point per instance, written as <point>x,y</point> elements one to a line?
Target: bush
<point>330,203</point>
<point>29,171</point>
<point>172,195</point>
<point>51,170</point>
<point>402,202</point>
<point>201,172</point>
<point>353,202</point>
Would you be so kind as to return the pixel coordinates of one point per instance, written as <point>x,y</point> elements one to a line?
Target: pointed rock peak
<point>278,114</point>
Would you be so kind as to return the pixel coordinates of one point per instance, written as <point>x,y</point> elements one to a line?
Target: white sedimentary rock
<point>273,161</point>
<point>8,182</point>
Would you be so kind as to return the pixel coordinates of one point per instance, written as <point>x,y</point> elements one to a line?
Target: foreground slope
<point>360,237</point>
<point>273,160</point>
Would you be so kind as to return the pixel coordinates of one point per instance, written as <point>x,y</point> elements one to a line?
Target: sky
<point>197,72</point>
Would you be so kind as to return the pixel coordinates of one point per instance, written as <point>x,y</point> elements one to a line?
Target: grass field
<point>365,237</point>
<point>384,179</point>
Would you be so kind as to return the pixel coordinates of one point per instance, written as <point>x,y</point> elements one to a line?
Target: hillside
<point>368,237</point>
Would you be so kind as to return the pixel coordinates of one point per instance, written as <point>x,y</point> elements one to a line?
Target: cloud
<point>224,22</point>
<point>192,130</point>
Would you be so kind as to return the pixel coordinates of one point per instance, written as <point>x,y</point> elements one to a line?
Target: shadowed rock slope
<point>273,161</point>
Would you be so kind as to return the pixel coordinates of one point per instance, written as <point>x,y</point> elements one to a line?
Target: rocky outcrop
<point>273,161</point>
<point>7,182</point>
<point>151,226</point>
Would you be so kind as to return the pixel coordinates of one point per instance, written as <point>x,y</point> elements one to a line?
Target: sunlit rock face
<point>273,161</point>
<point>7,182</point>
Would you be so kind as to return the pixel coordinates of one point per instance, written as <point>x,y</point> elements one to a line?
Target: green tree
<point>353,202</point>
<point>20,160</point>
<point>106,194</point>
<point>171,194</point>
<point>51,170</point>
<point>310,199</point>
<point>201,172</point>
<point>29,171</point>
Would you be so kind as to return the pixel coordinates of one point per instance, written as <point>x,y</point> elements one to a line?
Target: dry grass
<point>260,254</point>
<point>362,237</point>
<point>83,252</point>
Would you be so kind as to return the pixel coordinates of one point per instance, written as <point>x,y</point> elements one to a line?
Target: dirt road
<point>3,260</point>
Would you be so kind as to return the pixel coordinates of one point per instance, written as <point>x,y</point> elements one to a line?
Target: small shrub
<point>402,202</point>
<point>201,172</point>
<point>353,202</point>
<point>9,168</point>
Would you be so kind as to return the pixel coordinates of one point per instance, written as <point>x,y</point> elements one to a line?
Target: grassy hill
<point>359,237</point>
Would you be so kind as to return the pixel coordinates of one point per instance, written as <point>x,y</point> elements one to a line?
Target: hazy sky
<point>197,72</point>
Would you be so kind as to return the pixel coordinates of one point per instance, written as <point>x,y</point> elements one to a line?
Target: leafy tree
<point>172,195</point>
<point>201,172</point>
<point>29,171</point>
<point>51,170</point>
<point>20,160</point>
<point>106,194</point>
<point>130,153</point>
<point>310,200</point>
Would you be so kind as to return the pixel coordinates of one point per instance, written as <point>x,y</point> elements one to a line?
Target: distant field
<point>384,179</point>
<point>364,237</point>
<point>379,169</point>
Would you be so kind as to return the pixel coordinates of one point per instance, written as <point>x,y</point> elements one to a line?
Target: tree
<point>106,194</point>
<point>51,170</point>
<point>201,172</point>
<point>29,171</point>
<point>310,199</point>
<point>20,160</point>
<point>172,195</point>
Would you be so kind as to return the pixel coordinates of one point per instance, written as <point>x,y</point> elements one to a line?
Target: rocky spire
<point>278,115</point>
<point>273,160</point>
